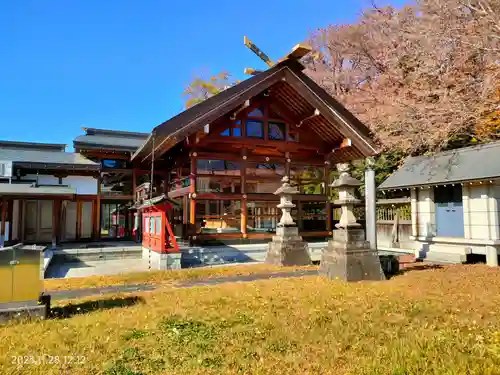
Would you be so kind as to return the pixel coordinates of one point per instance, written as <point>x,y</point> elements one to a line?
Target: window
<point>216,184</point>
<point>314,216</point>
<point>257,112</point>
<point>293,136</point>
<point>152,225</point>
<point>219,216</point>
<point>276,131</point>
<point>255,129</point>
<point>311,188</point>
<point>266,170</point>
<point>112,163</point>
<point>218,167</point>
<point>146,225</point>
<point>158,225</point>
<point>262,216</point>
<point>306,172</point>
<point>237,129</point>
<point>226,133</point>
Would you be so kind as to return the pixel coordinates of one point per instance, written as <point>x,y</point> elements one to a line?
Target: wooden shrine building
<point>223,159</point>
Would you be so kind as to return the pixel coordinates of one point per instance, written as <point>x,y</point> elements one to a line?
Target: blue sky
<point>123,64</point>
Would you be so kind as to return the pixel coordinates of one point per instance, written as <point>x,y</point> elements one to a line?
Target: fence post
<point>370,204</point>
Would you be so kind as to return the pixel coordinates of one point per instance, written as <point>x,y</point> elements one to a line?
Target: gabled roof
<point>292,87</point>
<point>47,159</point>
<point>58,147</point>
<point>455,166</point>
<point>110,139</point>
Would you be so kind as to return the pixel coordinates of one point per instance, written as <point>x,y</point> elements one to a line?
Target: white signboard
<point>5,168</point>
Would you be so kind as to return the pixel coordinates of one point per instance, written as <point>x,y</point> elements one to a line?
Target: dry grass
<point>166,277</point>
<point>437,321</point>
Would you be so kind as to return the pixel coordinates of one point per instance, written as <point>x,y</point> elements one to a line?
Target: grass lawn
<point>435,321</point>
<point>166,277</point>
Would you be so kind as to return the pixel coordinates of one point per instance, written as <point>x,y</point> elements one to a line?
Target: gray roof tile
<point>466,164</point>
<point>46,157</point>
<point>120,142</point>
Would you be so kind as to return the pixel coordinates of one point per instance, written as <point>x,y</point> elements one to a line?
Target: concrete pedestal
<point>161,261</point>
<point>349,257</point>
<point>287,248</point>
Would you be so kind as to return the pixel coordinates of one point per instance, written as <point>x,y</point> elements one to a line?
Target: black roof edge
<point>96,131</point>
<point>34,145</point>
<point>103,147</point>
<point>88,167</point>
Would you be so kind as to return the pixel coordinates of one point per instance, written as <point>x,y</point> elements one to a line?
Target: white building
<point>455,200</point>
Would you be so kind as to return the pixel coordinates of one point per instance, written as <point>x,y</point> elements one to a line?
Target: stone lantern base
<point>287,248</point>
<point>349,257</point>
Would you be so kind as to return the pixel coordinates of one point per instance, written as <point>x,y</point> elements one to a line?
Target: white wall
<point>43,179</point>
<point>82,184</point>
<point>426,212</point>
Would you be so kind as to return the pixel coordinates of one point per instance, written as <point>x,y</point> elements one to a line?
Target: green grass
<point>437,321</point>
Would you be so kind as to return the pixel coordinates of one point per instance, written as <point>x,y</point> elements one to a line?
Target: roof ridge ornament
<point>298,51</point>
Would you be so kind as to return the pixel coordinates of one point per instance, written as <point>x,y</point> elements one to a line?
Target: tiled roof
<point>460,165</point>
<point>101,141</point>
<point>46,158</point>
<point>25,189</point>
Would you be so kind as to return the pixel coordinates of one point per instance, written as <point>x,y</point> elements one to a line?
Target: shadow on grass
<point>421,267</point>
<point>67,311</point>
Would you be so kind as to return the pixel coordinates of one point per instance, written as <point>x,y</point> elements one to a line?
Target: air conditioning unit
<point>5,169</point>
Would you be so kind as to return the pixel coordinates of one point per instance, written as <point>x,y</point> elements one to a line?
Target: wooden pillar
<point>10,215</point>
<point>299,215</point>
<point>192,202</point>
<point>243,182</point>
<point>244,213</point>
<point>134,183</point>
<point>287,164</point>
<point>328,206</point>
<point>78,219</point>
<point>3,217</point>
<point>55,222</point>
<point>20,230</point>
<point>193,172</point>
<point>98,209</point>
<point>166,183</point>
<point>93,220</point>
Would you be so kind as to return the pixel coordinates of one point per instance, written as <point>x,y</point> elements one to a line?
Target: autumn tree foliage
<point>201,88</point>
<point>424,77</point>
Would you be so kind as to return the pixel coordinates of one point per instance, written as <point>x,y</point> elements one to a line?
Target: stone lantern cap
<point>286,188</point>
<point>345,179</point>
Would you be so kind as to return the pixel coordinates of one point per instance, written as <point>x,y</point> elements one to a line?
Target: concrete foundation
<point>287,248</point>
<point>23,310</point>
<point>349,257</point>
<point>161,261</point>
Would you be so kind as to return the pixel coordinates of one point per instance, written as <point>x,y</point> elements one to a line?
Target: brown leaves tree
<point>424,77</point>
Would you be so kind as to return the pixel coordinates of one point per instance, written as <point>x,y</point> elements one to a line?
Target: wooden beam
<point>10,214</point>
<point>78,219</point>
<point>134,182</point>
<point>55,221</point>
<point>20,227</point>
<point>333,111</point>
<point>3,218</point>
<point>298,51</point>
<point>244,218</point>
<point>98,209</point>
<point>192,174</point>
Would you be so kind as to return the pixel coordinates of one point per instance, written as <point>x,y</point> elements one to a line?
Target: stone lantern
<point>348,255</point>
<point>287,248</point>
<point>346,186</point>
